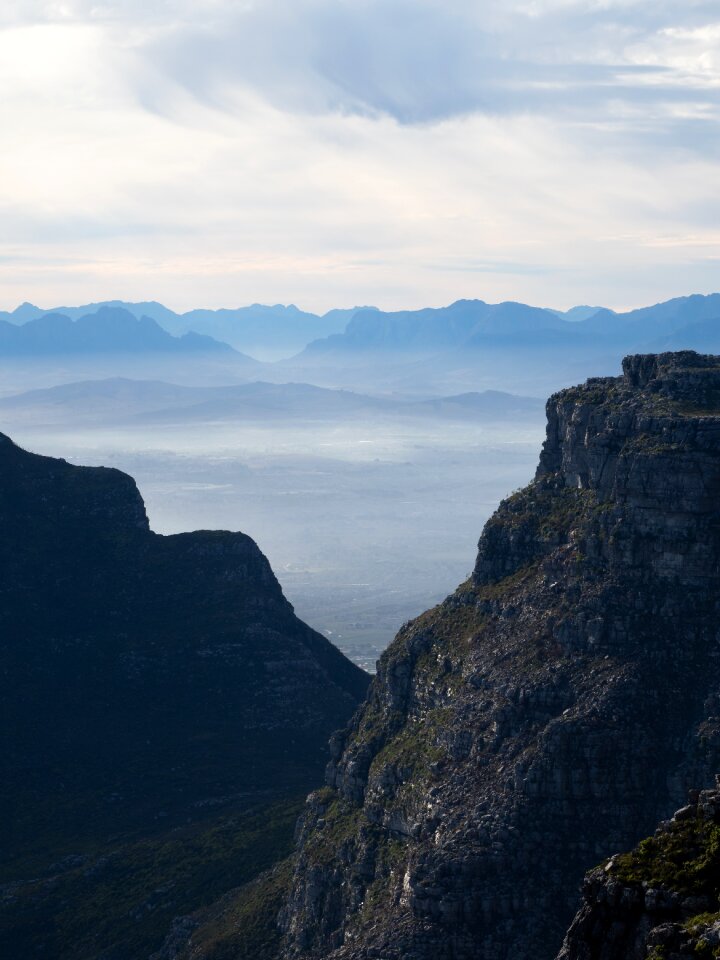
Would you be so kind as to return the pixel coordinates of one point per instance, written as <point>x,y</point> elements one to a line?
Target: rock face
<point>147,683</point>
<point>551,710</point>
<point>661,900</point>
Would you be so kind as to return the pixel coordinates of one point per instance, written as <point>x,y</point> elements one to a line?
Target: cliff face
<point>551,710</point>
<point>163,709</point>
<point>661,900</point>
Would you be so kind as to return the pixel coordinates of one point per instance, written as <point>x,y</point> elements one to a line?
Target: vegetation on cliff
<point>660,900</point>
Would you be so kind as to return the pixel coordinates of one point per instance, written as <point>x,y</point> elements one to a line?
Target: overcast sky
<point>333,152</point>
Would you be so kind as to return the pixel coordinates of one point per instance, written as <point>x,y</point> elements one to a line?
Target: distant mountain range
<point>473,345</point>
<point>472,324</point>
<point>464,323</point>
<point>109,330</point>
<point>468,346</point>
<point>264,331</point>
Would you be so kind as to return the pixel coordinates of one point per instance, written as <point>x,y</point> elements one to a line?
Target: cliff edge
<point>551,710</point>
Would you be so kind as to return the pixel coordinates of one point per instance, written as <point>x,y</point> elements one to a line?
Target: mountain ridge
<point>109,330</point>
<point>256,327</point>
<point>510,345</point>
<point>467,324</point>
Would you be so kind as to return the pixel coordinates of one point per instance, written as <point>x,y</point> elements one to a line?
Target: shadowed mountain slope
<point>163,712</point>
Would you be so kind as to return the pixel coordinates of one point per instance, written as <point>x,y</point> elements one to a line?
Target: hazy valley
<point>160,680</point>
<point>367,509</point>
<point>364,462</point>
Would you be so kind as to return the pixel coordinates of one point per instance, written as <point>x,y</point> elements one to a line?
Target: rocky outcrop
<point>661,900</point>
<point>163,710</point>
<point>551,710</point>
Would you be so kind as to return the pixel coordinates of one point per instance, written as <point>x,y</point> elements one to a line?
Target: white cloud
<point>358,150</point>
<point>420,60</point>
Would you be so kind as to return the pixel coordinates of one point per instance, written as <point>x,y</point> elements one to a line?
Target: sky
<point>402,153</point>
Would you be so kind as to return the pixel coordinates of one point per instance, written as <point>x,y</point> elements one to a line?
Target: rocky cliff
<point>659,902</point>
<point>164,711</point>
<point>551,710</point>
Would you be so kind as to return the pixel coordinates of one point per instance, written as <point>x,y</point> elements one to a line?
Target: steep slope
<point>548,712</point>
<point>661,900</point>
<point>163,712</point>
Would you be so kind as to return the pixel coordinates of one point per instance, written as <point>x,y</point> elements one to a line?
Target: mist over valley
<point>363,465</point>
<point>360,503</point>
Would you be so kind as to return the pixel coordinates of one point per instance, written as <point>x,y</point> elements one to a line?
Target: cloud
<point>417,61</point>
<point>358,150</point>
<point>422,61</point>
<point>645,74</point>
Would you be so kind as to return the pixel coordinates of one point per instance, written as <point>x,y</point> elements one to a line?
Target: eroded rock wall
<point>551,710</point>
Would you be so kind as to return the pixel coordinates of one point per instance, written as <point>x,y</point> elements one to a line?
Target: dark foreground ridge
<point>164,713</point>
<point>659,902</point>
<point>550,711</point>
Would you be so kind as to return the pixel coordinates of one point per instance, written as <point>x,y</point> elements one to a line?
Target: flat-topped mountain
<point>164,711</point>
<point>551,710</point>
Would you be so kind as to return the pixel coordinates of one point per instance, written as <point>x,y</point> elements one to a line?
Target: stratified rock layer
<point>551,710</point>
<point>150,685</point>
